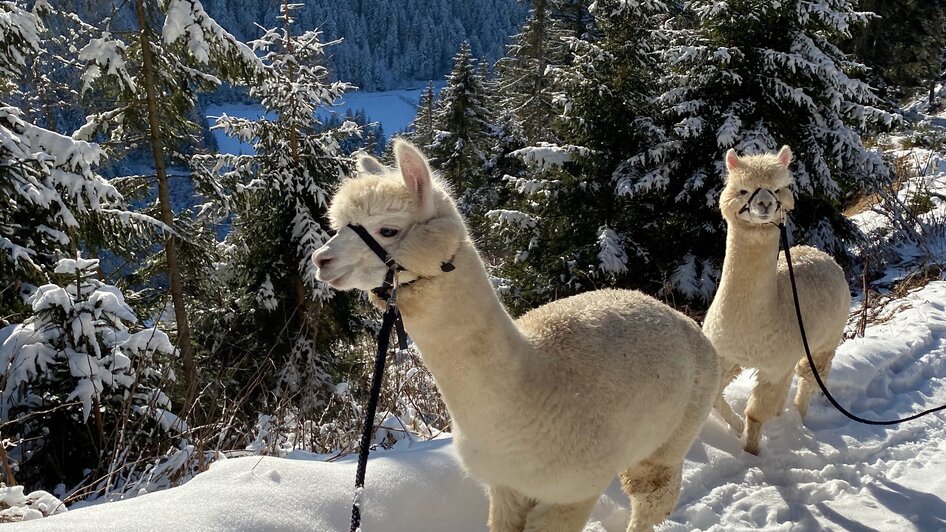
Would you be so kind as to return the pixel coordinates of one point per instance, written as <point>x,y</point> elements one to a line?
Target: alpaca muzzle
<point>762,203</point>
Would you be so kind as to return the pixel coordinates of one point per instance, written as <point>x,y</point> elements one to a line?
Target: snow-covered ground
<point>829,474</point>
<point>393,109</point>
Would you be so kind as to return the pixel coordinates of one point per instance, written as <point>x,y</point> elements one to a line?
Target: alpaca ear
<point>785,156</point>
<point>367,164</point>
<point>416,175</point>
<point>732,160</point>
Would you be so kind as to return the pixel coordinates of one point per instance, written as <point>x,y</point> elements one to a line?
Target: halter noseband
<point>383,291</point>
<point>778,204</point>
<point>387,285</point>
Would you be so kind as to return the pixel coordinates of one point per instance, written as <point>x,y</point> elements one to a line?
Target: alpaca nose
<point>321,262</point>
<point>766,205</point>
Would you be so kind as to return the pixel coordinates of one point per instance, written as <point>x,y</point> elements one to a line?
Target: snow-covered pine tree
<point>47,88</point>
<point>83,394</point>
<point>421,128</point>
<point>49,188</point>
<point>153,80</point>
<point>752,76</point>
<point>525,81</point>
<point>462,129</point>
<point>600,95</point>
<point>274,308</point>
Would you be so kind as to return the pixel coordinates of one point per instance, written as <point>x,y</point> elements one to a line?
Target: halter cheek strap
<point>387,285</point>
<point>383,291</point>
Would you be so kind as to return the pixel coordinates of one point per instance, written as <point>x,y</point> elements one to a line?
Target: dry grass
<point>877,307</point>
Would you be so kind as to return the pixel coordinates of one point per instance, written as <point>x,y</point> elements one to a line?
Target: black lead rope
<point>814,369</point>
<point>391,318</point>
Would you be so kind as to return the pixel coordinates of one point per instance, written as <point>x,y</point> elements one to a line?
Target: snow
<point>105,56</point>
<point>22,30</point>
<point>515,218</point>
<point>829,473</point>
<point>611,254</point>
<point>71,265</point>
<point>695,278</point>
<point>546,156</point>
<point>186,19</point>
<point>912,231</point>
<point>148,340</point>
<point>19,506</point>
<point>834,473</point>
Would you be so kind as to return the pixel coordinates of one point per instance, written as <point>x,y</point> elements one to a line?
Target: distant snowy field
<point>394,110</point>
<point>830,474</point>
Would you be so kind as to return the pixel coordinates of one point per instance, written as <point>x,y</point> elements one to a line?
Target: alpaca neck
<point>467,339</point>
<point>750,266</point>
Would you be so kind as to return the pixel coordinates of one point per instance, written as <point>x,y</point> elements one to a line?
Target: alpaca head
<point>405,209</point>
<point>757,188</point>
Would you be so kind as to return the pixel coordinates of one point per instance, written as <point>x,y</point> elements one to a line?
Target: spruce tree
<point>526,84</point>
<point>600,95</point>
<point>51,195</point>
<point>421,128</point>
<point>463,124</point>
<point>752,76</point>
<point>903,45</point>
<point>275,333</point>
<point>83,391</point>
<point>154,79</point>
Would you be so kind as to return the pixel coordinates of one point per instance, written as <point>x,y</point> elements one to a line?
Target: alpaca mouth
<point>759,218</point>
<point>334,282</point>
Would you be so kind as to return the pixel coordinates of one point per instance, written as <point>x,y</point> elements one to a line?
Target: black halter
<point>778,204</point>
<point>384,291</point>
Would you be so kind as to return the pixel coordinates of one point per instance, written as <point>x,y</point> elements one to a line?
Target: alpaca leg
<point>507,510</point>
<point>807,383</point>
<point>723,407</point>
<point>653,489</point>
<point>546,517</point>
<point>766,401</point>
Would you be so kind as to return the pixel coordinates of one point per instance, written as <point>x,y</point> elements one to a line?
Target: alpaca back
<point>824,297</point>
<point>606,354</point>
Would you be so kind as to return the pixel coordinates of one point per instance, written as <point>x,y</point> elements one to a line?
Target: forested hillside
<point>387,44</point>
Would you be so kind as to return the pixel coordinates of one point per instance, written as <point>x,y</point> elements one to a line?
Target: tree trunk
<point>307,311</point>
<point>164,202</point>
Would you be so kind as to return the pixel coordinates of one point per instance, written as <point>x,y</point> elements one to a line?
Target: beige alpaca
<point>546,409</point>
<point>752,320</point>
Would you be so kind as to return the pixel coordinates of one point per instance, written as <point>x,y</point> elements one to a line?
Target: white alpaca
<point>546,409</point>
<point>752,321</point>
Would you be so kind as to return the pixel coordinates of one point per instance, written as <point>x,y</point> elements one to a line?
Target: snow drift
<point>829,475</point>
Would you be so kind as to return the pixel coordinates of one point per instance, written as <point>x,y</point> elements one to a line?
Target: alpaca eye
<point>387,232</point>
<point>778,190</point>
<point>743,192</point>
